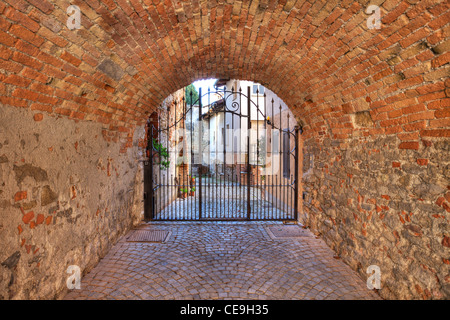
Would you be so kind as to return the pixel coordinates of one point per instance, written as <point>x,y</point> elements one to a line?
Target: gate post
<point>148,180</point>
<point>297,130</point>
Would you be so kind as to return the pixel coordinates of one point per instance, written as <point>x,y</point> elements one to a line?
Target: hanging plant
<point>164,163</point>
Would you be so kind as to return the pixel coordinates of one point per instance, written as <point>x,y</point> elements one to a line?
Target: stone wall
<point>66,195</point>
<point>377,204</point>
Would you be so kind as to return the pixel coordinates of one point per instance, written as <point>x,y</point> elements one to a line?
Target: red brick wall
<point>318,56</point>
<point>347,84</point>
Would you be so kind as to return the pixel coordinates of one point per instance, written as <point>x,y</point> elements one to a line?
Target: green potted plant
<point>192,192</point>
<point>163,153</point>
<point>184,192</point>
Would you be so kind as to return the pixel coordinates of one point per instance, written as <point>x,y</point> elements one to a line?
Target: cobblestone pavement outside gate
<point>227,200</point>
<point>221,260</point>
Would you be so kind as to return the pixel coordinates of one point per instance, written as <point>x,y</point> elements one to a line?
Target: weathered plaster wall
<point>68,190</point>
<point>377,204</point>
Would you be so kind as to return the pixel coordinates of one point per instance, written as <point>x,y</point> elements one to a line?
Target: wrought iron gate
<point>232,158</point>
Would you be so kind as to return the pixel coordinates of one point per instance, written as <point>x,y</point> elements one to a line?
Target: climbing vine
<point>164,154</point>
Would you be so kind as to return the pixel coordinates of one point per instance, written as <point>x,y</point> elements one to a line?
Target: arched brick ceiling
<point>319,56</point>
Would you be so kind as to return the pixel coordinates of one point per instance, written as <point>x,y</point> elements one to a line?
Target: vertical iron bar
<point>171,188</point>
<point>240,152</point>
<point>180,202</point>
<point>221,189</point>
<point>224,162</point>
<point>280,160</point>
<point>167,142</point>
<point>192,132</point>
<point>241,196</point>
<point>269,187</point>
<point>257,154</point>
<point>192,206</point>
<point>199,151</point>
<point>265,154</point>
<point>276,197</point>
<point>167,187</point>
<point>175,144</point>
<point>271,155</point>
<point>213,180</point>
<point>158,174</point>
<point>232,161</point>
<point>286,180</point>
<point>176,186</point>
<point>186,199</point>
<point>158,202</point>
<point>172,206</point>
<point>296,177</point>
<point>216,168</point>
<point>159,138</point>
<point>150,174</point>
<point>186,203</point>
<point>208,189</point>
<point>248,152</point>
<point>293,195</point>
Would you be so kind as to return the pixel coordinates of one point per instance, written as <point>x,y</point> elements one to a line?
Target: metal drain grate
<point>287,232</point>
<point>149,236</point>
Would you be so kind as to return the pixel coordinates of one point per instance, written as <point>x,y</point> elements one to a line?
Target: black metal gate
<point>227,156</point>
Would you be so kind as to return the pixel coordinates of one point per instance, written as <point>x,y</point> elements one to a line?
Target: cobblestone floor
<point>221,260</point>
<point>228,200</point>
<point>221,209</point>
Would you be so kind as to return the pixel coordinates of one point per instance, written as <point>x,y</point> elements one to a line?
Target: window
<point>259,88</point>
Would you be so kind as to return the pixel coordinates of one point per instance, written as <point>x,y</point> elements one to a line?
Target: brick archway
<point>320,57</point>
<point>374,102</point>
